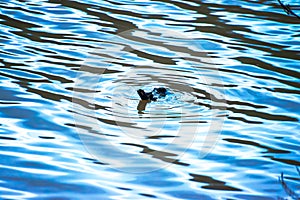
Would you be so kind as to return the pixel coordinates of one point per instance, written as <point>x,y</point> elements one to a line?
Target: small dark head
<point>143,94</point>
<point>146,95</point>
<point>161,91</point>
<point>150,95</point>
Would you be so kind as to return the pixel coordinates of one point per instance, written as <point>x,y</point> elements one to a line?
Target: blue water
<point>70,128</point>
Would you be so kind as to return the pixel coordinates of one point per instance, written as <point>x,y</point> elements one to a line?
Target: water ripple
<point>69,71</point>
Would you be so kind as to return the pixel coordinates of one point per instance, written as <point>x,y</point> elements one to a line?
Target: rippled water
<point>69,125</point>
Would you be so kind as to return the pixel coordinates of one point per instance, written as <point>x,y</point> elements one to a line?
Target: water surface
<point>69,124</point>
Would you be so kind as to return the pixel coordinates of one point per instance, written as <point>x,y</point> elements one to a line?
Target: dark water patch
<point>212,183</point>
<point>164,156</point>
<point>244,120</point>
<point>47,137</point>
<point>89,129</point>
<point>7,138</point>
<point>246,142</point>
<point>161,136</point>
<point>285,161</point>
<point>147,195</point>
<point>122,188</point>
<point>262,115</point>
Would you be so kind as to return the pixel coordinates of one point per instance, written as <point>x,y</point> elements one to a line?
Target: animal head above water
<point>154,95</point>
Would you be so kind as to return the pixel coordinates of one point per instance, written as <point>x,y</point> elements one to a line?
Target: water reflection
<point>142,105</point>
<point>290,191</point>
<point>246,52</point>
